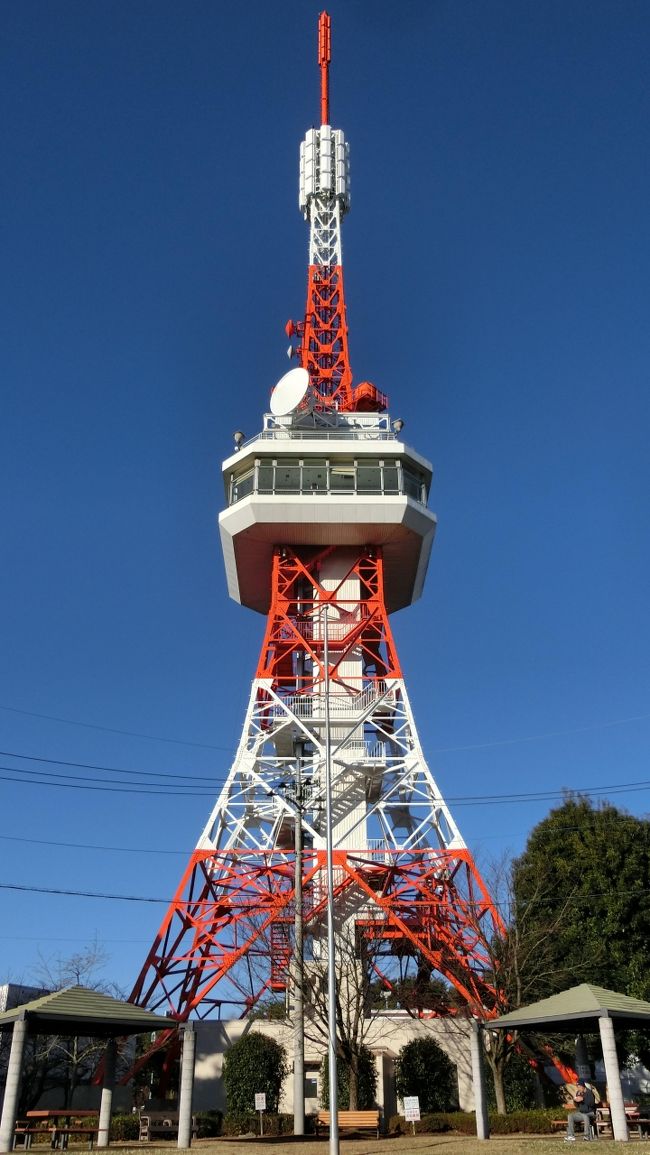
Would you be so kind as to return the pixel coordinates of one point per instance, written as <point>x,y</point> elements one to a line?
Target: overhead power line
<point>81,893</point>
<point>79,783</point>
<point>104,769</point>
<point>593,726</point>
<point>38,777</point>
<point>159,852</point>
<point>578,896</point>
<point>113,729</point>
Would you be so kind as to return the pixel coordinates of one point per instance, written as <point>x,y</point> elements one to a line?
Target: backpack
<point>588,1104</point>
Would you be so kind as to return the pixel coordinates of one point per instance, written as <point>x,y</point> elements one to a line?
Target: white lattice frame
<point>255,799</point>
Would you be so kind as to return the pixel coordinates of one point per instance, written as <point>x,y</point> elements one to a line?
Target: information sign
<point>412,1109</point>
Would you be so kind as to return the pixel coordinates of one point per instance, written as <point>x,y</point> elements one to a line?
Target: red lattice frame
<point>432,902</point>
<point>295,628</point>
<point>324,338</point>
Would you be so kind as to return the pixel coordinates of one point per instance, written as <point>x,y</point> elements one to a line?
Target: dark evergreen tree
<point>594,865</point>
<point>423,1069</point>
<point>254,1064</point>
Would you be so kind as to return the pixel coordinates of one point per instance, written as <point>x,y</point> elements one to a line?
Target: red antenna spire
<point>324,57</point>
<point>324,199</point>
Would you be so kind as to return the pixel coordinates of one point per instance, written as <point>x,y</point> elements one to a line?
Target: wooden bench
<point>562,1124</point>
<point>64,1134</point>
<point>350,1121</point>
<point>58,1136</point>
<point>25,1130</point>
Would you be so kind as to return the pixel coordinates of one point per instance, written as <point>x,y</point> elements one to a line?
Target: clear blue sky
<point>497,261</point>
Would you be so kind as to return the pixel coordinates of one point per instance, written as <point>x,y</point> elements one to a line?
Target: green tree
<point>521,1085</point>
<point>365,1080</point>
<point>255,1063</point>
<point>423,1069</point>
<point>595,862</point>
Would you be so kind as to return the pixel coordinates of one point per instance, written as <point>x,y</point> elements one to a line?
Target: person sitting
<point>584,1102</point>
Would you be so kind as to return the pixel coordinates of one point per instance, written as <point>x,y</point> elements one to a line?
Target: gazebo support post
<point>106,1105</point>
<point>612,1074</point>
<point>12,1085</point>
<point>478,1080</point>
<point>186,1087</point>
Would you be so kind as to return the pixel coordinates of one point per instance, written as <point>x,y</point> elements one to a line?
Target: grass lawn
<point>403,1145</point>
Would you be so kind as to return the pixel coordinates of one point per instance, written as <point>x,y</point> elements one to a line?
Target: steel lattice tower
<point>326,532</point>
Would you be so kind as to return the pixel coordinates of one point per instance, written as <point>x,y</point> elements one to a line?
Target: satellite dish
<point>289,392</point>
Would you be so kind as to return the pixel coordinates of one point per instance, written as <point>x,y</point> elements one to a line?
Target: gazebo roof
<point>579,1008</point>
<point>81,1011</point>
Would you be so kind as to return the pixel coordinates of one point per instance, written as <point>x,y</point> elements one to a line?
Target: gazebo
<point>582,1009</point>
<point>79,1011</point>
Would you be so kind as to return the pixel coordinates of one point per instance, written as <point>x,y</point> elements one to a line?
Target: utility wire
<point>542,737</point>
<point>81,782</point>
<point>578,896</point>
<point>113,729</point>
<point>436,750</point>
<point>160,851</point>
<point>104,769</point>
<point>82,893</point>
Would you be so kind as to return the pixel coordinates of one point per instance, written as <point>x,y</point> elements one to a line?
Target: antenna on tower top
<point>324,57</point>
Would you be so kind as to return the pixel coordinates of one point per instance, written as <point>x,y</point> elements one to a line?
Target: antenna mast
<point>324,200</point>
<point>324,57</point>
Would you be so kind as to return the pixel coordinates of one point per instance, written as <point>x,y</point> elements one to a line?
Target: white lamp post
<point>331,957</point>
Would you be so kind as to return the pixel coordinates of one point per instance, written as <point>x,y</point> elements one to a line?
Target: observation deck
<point>335,479</point>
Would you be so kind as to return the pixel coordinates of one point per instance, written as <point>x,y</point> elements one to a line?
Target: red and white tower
<point>327,533</point>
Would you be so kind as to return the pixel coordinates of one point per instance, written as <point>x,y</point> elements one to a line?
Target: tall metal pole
<point>298,967</point>
<point>331,955</point>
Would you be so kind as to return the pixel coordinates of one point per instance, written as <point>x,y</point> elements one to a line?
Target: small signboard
<point>412,1109</point>
<point>260,1105</point>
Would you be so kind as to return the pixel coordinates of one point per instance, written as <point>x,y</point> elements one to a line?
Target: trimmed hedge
<point>249,1124</point>
<point>208,1124</point>
<point>125,1127</point>
<point>537,1122</point>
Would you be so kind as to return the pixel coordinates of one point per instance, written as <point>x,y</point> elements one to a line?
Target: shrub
<point>208,1124</point>
<point>367,1081</point>
<point>255,1063</point>
<point>249,1123</point>
<point>125,1127</point>
<point>464,1122</point>
<point>423,1069</point>
<point>428,1124</point>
